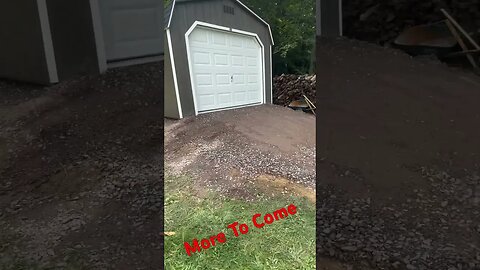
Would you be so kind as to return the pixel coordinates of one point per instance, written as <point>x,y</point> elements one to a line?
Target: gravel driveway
<point>80,187</point>
<point>398,159</point>
<point>230,151</point>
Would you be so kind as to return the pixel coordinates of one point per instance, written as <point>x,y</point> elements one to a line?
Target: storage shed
<point>47,41</point>
<point>218,56</point>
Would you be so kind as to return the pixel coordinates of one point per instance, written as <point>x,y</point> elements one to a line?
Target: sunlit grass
<point>288,243</point>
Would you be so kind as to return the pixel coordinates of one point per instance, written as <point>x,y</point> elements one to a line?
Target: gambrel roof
<point>171,7</point>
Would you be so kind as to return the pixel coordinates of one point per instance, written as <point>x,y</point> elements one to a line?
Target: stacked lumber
<point>288,88</point>
<point>382,21</point>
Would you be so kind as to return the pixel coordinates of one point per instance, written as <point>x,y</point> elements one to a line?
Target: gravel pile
<point>80,186</point>
<point>412,234</point>
<point>252,162</point>
<point>227,161</point>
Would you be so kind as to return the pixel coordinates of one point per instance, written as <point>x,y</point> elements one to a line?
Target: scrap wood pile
<point>289,88</point>
<point>381,21</point>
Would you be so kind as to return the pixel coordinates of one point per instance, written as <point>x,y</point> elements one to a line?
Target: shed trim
<point>239,2</point>
<point>214,26</point>
<point>171,14</point>
<point>175,82</point>
<point>247,8</point>
<point>271,77</point>
<point>47,41</point>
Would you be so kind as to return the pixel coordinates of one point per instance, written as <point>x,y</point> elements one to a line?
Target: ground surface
<point>223,167</point>
<point>398,159</point>
<point>81,172</point>
<point>235,152</point>
<point>287,243</point>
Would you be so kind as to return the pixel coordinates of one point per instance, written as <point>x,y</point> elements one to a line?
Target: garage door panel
<point>236,42</point>
<point>225,98</point>
<point>133,20</point>
<point>219,39</point>
<point>132,28</point>
<point>199,36</point>
<point>252,61</point>
<point>252,95</point>
<point>237,60</point>
<point>251,44</point>
<point>204,79</point>
<point>235,72</point>
<point>220,59</point>
<point>238,79</point>
<point>201,58</point>
<point>240,98</point>
<point>223,79</point>
<point>207,101</point>
<point>252,78</point>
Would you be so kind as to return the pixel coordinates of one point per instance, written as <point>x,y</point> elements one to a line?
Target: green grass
<point>285,244</point>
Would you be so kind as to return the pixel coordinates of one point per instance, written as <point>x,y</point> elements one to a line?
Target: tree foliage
<point>293,29</point>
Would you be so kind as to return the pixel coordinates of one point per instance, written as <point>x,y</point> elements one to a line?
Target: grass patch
<point>288,243</point>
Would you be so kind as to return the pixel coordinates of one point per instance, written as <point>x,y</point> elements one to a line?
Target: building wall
<point>22,49</point>
<point>170,98</point>
<point>186,13</point>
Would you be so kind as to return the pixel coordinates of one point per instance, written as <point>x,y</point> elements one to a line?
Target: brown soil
<point>384,113</point>
<point>81,170</point>
<point>280,185</point>
<point>398,143</point>
<point>228,150</point>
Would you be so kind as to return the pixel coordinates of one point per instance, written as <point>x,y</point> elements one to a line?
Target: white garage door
<point>132,28</point>
<point>226,69</point>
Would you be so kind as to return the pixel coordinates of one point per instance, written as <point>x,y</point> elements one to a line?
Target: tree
<point>293,29</point>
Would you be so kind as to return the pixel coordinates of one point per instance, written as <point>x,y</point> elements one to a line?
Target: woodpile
<point>382,21</point>
<point>288,88</point>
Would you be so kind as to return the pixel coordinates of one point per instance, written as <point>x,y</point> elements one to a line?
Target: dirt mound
<point>288,88</point>
<point>227,151</point>
<point>398,159</point>
<point>79,184</point>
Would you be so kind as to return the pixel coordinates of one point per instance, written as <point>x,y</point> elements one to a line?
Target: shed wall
<point>22,51</point>
<point>170,98</point>
<point>186,13</point>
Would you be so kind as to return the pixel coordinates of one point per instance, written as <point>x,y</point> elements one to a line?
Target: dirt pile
<point>382,21</point>
<point>287,88</point>
<point>392,193</point>
<point>80,186</point>
<point>226,151</point>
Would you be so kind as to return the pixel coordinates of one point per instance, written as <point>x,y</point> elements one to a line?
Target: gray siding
<point>170,99</point>
<point>73,37</point>
<point>132,29</point>
<point>22,51</point>
<point>186,13</point>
